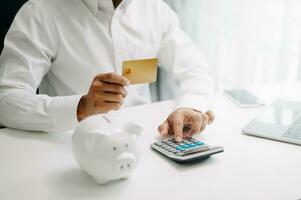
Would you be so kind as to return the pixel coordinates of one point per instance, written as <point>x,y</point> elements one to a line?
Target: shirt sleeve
<point>29,49</point>
<point>180,56</point>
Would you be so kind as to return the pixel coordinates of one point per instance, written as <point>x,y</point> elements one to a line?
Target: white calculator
<point>188,150</point>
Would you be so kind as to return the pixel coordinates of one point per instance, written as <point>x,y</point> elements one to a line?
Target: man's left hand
<point>185,122</point>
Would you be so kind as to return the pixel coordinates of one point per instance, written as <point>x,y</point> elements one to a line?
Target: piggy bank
<point>106,150</point>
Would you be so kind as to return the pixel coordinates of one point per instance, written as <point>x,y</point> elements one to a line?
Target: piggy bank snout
<point>125,163</point>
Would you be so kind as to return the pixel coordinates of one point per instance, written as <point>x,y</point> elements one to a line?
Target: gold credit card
<point>140,71</point>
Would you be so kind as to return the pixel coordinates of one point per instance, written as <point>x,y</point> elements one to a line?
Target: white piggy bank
<point>106,150</point>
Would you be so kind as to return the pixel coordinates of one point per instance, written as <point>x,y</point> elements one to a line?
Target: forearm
<point>25,110</point>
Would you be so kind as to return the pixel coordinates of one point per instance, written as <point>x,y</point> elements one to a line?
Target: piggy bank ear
<point>92,138</point>
<point>133,129</point>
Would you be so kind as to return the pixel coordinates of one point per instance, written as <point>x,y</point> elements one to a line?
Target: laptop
<point>279,121</point>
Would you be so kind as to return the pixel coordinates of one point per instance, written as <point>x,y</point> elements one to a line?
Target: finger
<point>110,97</point>
<point>105,107</point>
<point>211,116</point>
<point>113,78</point>
<point>112,88</point>
<point>205,121</point>
<point>178,124</point>
<point>196,124</point>
<point>187,134</point>
<point>113,106</point>
<point>187,129</point>
<point>163,129</point>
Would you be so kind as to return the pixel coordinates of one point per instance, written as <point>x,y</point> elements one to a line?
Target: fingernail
<point>178,139</point>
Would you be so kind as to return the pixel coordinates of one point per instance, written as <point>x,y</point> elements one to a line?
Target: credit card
<point>140,71</point>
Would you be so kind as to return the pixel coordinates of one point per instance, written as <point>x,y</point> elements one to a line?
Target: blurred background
<point>246,42</point>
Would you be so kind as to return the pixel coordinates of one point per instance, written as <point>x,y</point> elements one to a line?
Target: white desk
<point>38,166</point>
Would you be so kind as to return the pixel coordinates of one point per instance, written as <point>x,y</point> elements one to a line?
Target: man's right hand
<point>106,93</point>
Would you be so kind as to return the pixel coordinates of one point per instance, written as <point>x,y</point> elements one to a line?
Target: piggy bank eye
<point>126,145</point>
<point>114,148</point>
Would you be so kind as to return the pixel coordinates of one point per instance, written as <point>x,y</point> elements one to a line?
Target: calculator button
<point>172,140</point>
<point>179,148</point>
<point>199,143</point>
<point>159,143</point>
<point>186,146</point>
<point>169,149</point>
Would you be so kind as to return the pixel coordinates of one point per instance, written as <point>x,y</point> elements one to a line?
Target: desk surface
<point>39,166</point>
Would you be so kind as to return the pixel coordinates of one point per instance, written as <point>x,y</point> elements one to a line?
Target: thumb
<point>163,129</point>
<point>211,116</point>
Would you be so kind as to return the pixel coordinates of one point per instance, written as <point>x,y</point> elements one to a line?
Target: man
<point>60,46</point>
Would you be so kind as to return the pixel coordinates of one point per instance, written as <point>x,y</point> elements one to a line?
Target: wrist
<point>81,108</point>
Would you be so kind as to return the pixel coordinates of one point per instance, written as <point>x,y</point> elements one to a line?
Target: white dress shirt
<point>60,45</point>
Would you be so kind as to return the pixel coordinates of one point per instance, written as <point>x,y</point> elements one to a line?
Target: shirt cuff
<point>197,102</point>
<point>64,112</point>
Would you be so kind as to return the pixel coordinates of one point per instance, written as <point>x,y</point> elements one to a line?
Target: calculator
<point>189,149</point>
